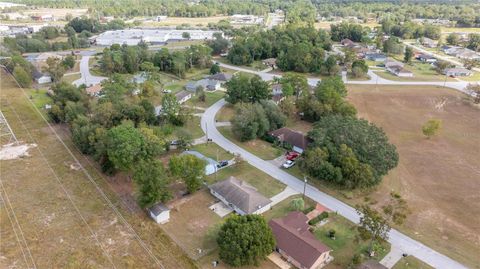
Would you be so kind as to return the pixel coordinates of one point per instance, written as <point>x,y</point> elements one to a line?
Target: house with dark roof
<point>429,43</point>
<point>206,84</point>
<point>347,42</point>
<point>159,213</point>
<point>289,137</point>
<point>41,78</point>
<point>240,196</point>
<point>297,244</point>
<point>397,69</point>
<point>222,77</point>
<point>377,57</point>
<point>426,58</point>
<point>457,72</point>
<point>183,96</point>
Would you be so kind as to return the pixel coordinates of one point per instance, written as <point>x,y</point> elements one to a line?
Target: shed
<point>40,77</point>
<point>159,213</point>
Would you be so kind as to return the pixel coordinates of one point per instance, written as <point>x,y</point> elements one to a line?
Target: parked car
<point>291,155</point>
<point>175,143</point>
<point>288,164</point>
<point>167,91</point>
<point>222,164</point>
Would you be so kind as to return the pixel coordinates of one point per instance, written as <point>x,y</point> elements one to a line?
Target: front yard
<point>410,262</point>
<point>210,99</point>
<point>213,151</point>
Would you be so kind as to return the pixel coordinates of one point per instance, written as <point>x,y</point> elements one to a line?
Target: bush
<point>308,210</point>
<point>318,218</point>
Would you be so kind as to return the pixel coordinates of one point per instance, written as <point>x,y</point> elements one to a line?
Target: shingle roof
<point>158,208</point>
<point>240,194</point>
<point>182,94</point>
<point>220,77</point>
<point>292,137</point>
<point>293,237</point>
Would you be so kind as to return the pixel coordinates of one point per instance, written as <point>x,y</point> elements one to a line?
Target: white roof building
<point>153,36</point>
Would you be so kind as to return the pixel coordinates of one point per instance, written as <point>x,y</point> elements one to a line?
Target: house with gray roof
<point>240,196</point>
<point>206,84</point>
<point>183,96</point>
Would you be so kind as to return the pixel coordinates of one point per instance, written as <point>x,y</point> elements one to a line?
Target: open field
<point>213,151</point>
<point>61,215</point>
<point>210,99</point>
<point>411,262</point>
<point>438,177</point>
<point>261,148</point>
<point>200,21</point>
<point>347,241</point>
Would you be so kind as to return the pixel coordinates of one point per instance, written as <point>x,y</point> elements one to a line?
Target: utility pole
<point>304,187</point>
<point>206,131</point>
<point>445,82</point>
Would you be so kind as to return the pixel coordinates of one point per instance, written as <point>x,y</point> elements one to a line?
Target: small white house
<point>183,96</point>
<point>41,78</point>
<point>159,213</point>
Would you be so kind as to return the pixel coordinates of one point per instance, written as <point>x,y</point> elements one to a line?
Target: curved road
<point>86,77</point>
<point>398,240</point>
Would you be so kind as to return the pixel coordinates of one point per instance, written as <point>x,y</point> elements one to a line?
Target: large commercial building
<point>151,36</point>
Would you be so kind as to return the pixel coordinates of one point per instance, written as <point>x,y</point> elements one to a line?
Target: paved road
<point>454,61</point>
<point>374,79</point>
<point>87,78</point>
<point>398,240</point>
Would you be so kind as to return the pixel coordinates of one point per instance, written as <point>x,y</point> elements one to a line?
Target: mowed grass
<point>261,148</point>
<point>410,262</point>
<point>284,207</point>
<point>421,72</point>
<point>213,151</point>
<point>264,183</point>
<point>65,220</point>
<point>193,225</point>
<point>438,177</point>
<point>206,263</point>
<point>210,99</point>
<point>347,242</point>
<point>226,113</point>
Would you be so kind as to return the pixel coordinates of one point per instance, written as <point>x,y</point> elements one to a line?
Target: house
<point>211,165</point>
<point>426,58</point>
<point>205,84</point>
<point>40,77</point>
<point>222,77</point>
<point>451,50</point>
<point>457,72</point>
<point>289,137</point>
<point>94,90</point>
<point>277,93</point>
<point>467,54</point>
<point>270,62</point>
<point>397,69</point>
<point>183,96</point>
<point>159,213</point>
<point>240,196</point>
<point>347,42</point>
<point>429,43</point>
<point>297,244</point>
<point>371,264</point>
<point>377,57</point>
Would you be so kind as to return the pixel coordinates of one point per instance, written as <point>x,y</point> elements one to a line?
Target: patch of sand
<point>12,151</point>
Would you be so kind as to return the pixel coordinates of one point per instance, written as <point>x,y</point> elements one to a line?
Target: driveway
<point>87,78</point>
<point>398,240</point>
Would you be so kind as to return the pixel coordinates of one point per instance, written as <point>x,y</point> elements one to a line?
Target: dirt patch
<point>439,177</point>
<point>14,151</point>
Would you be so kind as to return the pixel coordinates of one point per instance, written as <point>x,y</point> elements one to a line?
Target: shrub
<point>318,218</point>
<point>308,210</point>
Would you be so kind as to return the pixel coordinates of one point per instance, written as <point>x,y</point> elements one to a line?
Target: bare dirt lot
<point>54,214</point>
<point>439,177</point>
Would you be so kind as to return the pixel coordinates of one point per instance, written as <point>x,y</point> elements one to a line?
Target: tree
<point>245,240</point>
<point>215,69</point>
<point>276,118</point>
<point>186,35</point>
<point>431,127</point>
<point>151,181</point>
<point>242,88</point>
<point>474,42</point>
<point>359,68</point>
<point>125,146</point>
<point>68,62</point>
<point>249,121</point>
<point>55,68</point>
<point>475,90</point>
<point>440,66</point>
<point>408,55</point>
<point>373,222</point>
<point>170,107</point>
<point>297,204</point>
<point>331,65</point>
<point>287,105</point>
<point>190,169</point>
<point>453,39</point>
<point>294,84</point>
<point>22,77</point>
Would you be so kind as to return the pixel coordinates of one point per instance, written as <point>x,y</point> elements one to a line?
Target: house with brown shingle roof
<point>297,140</point>
<point>297,244</point>
<point>240,196</point>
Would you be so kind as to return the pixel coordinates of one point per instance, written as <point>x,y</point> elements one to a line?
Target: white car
<point>167,91</point>
<point>288,164</point>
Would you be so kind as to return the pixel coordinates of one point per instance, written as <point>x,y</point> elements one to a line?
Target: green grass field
<point>410,262</point>
<point>210,99</point>
<point>258,147</point>
<point>213,151</point>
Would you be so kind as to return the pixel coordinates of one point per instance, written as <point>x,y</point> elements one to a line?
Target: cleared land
<point>439,177</point>
<point>68,217</point>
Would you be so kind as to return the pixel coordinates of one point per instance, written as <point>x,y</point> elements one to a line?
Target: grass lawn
<point>261,148</point>
<point>264,183</point>
<point>71,78</point>
<point>473,78</point>
<point>210,99</point>
<point>299,125</point>
<point>255,65</point>
<point>410,262</point>
<point>346,242</point>
<point>226,113</point>
<point>193,225</point>
<point>193,127</point>
<point>211,150</point>
<point>40,98</point>
<point>283,208</point>
<point>206,263</point>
